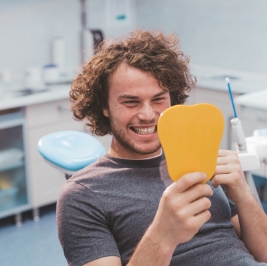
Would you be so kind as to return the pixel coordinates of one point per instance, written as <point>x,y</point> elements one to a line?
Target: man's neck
<point>135,156</point>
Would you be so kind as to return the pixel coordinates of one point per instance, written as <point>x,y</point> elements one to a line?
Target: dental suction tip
<point>227,80</point>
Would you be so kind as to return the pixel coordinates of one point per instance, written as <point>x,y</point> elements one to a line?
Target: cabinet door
<point>46,183</point>
<point>13,181</point>
<point>42,119</point>
<point>39,115</point>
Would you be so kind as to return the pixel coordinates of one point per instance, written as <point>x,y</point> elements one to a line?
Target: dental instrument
<point>251,150</point>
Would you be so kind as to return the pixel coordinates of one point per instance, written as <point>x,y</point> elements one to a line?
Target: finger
<point>188,180</point>
<point>231,158</point>
<point>197,191</point>
<point>222,161</point>
<point>199,219</point>
<point>222,153</point>
<point>228,160</point>
<point>222,179</point>
<point>185,198</point>
<point>229,180</point>
<point>226,169</point>
<point>196,207</point>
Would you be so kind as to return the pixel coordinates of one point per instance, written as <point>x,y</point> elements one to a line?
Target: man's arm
<point>236,225</point>
<point>253,227</point>
<point>182,210</point>
<point>252,219</point>
<point>106,261</point>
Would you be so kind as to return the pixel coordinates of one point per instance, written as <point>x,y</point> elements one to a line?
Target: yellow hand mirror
<point>190,137</point>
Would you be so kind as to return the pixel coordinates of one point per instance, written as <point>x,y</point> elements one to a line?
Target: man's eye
<point>130,103</point>
<point>159,99</point>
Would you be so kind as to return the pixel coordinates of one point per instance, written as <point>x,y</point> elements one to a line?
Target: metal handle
<point>239,134</point>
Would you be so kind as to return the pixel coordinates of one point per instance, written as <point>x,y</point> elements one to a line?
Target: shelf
<point>11,166</point>
<point>13,182</point>
<point>12,201</point>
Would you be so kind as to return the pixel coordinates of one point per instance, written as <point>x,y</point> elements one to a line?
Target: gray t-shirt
<point>105,209</point>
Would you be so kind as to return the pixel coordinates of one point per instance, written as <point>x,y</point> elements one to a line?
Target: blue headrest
<point>71,150</point>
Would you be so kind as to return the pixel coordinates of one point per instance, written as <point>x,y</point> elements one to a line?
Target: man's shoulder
<point>100,167</point>
<point>109,173</point>
<point>88,178</point>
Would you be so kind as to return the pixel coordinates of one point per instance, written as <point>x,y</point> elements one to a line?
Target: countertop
<point>207,77</point>
<point>241,81</point>
<point>51,93</point>
<point>255,100</point>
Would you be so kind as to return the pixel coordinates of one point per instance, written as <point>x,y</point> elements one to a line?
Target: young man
<point>124,209</point>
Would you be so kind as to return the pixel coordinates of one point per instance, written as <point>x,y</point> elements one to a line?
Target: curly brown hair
<point>154,52</point>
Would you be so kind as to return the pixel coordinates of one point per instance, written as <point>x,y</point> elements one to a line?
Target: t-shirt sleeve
<point>83,228</point>
<point>232,207</point>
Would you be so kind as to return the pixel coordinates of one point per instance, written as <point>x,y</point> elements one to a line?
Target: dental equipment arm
<point>252,150</point>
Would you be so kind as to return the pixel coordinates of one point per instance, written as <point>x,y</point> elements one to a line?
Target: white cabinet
<point>42,119</point>
<point>45,182</point>
<point>14,189</point>
<point>220,99</point>
<point>252,119</point>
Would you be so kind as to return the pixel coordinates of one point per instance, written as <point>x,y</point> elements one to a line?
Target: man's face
<point>135,102</point>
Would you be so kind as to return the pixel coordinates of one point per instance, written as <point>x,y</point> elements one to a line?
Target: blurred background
<point>225,34</point>
<point>42,46</point>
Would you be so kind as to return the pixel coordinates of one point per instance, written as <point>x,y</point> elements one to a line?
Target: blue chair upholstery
<point>70,150</point>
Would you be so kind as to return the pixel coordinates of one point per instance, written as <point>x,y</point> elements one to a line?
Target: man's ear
<point>105,112</point>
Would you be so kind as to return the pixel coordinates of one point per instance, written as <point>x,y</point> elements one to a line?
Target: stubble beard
<point>128,144</point>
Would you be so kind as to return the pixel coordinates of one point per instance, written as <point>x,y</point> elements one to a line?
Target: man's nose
<point>146,113</point>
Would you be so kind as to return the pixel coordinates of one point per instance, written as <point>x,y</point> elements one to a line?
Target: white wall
<point>230,33</point>
<point>28,26</point>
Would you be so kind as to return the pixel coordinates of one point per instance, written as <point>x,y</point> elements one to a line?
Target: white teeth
<point>144,130</point>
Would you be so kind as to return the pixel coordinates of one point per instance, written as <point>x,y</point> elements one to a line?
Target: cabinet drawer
<point>51,112</point>
<point>45,183</point>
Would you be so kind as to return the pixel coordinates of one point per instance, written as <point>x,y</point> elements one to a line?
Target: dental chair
<point>70,151</point>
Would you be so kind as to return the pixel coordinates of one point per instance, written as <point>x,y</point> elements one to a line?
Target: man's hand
<point>230,176</point>
<point>252,219</point>
<point>183,209</point>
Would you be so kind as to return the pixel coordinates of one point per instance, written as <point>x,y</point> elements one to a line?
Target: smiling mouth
<point>144,130</point>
